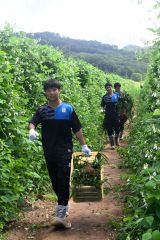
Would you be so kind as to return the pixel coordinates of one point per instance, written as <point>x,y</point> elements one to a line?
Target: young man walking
<point>111,119</point>
<point>58,119</point>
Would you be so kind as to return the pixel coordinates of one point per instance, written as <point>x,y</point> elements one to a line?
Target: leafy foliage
<point>142,209</point>
<point>24,65</point>
<point>125,104</point>
<point>87,173</point>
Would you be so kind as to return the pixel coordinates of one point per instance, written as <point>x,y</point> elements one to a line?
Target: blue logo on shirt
<point>63,112</point>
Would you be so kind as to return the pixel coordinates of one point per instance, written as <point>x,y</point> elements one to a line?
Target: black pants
<point>122,120</point>
<point>121,126</point>
<point>59,169</point>
<point>111,124</point>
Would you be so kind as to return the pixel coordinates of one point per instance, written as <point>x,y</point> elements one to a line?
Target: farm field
<point>24,65</point>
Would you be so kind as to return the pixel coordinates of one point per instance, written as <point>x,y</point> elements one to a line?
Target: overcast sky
<point>119,22</point>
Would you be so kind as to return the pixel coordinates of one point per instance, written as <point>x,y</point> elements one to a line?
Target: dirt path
<point>90,221</point>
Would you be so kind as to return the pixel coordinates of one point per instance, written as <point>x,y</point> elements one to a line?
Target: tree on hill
<point>104,56</point>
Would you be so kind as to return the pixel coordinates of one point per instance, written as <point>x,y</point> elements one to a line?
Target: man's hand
<point>33,134</point>
<point>86,150</point>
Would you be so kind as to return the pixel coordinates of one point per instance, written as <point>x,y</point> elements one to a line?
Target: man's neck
<point>55,103</point>
<point>110,93</point>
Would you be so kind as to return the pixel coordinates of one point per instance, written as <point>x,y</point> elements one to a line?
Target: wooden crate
<point>85,192</point>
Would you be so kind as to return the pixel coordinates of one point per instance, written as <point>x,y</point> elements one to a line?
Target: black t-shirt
<point>57,126</point>
<point>109,103</point>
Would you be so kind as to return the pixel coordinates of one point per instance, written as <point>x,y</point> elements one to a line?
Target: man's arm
<point>80,137</point>
<point>77,129</point>
<point>103,105</point>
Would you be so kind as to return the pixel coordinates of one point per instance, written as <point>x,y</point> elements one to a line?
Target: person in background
<point>58,120</point>
<point>111,119</point>
<point>122,107</point>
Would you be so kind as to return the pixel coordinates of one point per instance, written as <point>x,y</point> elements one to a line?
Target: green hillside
<point>104,56</point>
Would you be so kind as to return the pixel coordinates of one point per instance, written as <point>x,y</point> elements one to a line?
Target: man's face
<point>52,94</point>
<point>109,89</point>
<point>117,88</point>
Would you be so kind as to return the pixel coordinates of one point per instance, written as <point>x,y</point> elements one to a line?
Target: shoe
<point>67,210</point>
<point>61,211</point>
<point>111,140</point>
<point>60,220</point>
<point>61,223</point>
<point>112,147</point>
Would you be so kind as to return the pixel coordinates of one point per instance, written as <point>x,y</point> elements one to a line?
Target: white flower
<point>154,94</point>
<point>154,174</point>
<point>144,200</point>
<point>158,102</point>
<point>154,129</point>
<point>151,177</point>
<point>155,147</point>
<point>145,166</point>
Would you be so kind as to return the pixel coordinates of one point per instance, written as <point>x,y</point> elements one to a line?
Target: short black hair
<point>117,84</point>
<point>108,85</point>
<point>51,83</point>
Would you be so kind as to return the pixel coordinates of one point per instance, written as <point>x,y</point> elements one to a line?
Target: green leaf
<point>149,220</point>
<point>147,236</point>
<point>156,235</point>
<point>150,185</point>
<point>34,174</point>
<point>158,211</point>
<point>4,199</point>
